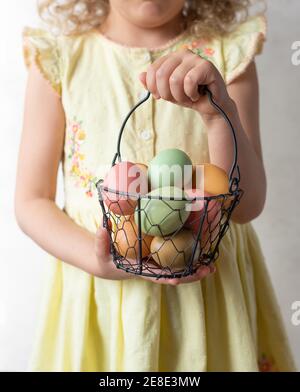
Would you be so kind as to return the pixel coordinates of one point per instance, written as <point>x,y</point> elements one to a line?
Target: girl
<point>81,83</point>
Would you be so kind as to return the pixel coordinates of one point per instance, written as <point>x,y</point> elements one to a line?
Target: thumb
<point>142,77</point>
<point>102,243</point>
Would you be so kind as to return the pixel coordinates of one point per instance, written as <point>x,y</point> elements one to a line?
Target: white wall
<point>279,226</point>
<point>22,262</point>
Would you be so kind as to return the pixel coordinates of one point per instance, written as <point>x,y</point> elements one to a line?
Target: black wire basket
<point>143,245</point>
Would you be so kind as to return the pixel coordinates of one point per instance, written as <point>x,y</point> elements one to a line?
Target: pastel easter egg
<point>171,167</point>
<point>124,177</point>
<point>196,209</point>
<point>213,179</point>
<point>143,167</point>
<point>161,217</point>
<point>211,219</point>
<point>174,252</point>
<point>126,240</point>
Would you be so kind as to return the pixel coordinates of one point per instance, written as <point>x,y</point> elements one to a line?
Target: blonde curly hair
<point>203,17</point>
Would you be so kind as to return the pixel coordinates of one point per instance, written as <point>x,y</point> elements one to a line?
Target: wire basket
<point>151,247</point>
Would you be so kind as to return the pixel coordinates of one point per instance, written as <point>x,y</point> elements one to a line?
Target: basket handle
<point>203,90</point>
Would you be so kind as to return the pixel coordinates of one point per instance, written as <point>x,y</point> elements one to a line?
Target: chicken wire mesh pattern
<point>200,246</point>
<point>146,246</point>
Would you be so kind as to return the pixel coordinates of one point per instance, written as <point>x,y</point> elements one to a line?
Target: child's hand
<point>106,269</point>
<point>201,273</point>
<point>176,77</point>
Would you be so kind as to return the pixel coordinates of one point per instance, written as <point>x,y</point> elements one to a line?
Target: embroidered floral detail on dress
<point>265,364</point>
<point>205,53</point>
<point>75,137</point>
<point>200,47</point>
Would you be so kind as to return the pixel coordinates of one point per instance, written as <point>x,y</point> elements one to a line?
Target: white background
<point>22,262</point>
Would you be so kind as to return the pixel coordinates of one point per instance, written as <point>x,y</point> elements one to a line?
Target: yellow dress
<point>230,321</point>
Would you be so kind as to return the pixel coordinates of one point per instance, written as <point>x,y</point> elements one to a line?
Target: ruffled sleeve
<point>41,47</point>
<point>240,46</point>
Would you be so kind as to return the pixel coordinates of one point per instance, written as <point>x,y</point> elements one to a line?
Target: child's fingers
<point>163,75</point>
<point>151,76</point>
<point>190,87</point>
<point>201,273</point>
<point>177,80</point>
<point>202,74</point>
<point>102,243</point>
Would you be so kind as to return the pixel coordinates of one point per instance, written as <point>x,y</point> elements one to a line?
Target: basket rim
<point>101,188</point>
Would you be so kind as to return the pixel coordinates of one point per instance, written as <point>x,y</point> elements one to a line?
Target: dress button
<point>145,134</point>
<point>147,57</point>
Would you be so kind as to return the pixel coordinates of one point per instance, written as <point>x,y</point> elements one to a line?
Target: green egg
<point>162,217</point>
<point>171,167</point>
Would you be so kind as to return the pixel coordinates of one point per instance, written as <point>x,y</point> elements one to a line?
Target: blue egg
<point>171,167</point>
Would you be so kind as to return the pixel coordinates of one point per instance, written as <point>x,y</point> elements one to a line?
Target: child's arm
<point>37,214</point>
<point>245,118</point>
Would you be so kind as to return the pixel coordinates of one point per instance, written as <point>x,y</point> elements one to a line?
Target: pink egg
<point>124,177</point>
<point>210,228</point>
<point>196,208</point>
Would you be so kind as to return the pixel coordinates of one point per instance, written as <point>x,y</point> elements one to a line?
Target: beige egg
<point>174,251</point>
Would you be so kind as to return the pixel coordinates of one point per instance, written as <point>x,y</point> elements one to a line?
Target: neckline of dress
<point>141,49</point>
